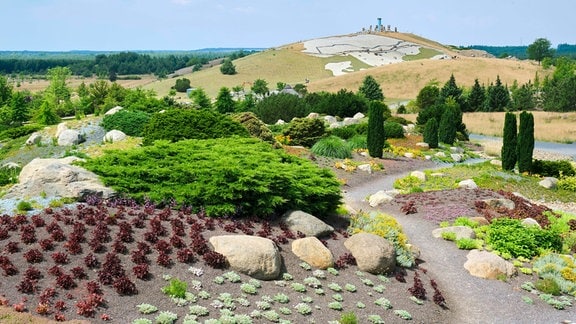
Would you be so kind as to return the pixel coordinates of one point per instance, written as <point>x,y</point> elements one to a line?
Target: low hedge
<point>226,177</point>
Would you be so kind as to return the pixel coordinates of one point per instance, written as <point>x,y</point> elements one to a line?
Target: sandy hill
<point>401,63</point>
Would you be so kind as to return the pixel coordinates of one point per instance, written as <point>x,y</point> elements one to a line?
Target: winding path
<point>470,299</point>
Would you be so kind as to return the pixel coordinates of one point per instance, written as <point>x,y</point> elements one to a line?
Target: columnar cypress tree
<point>431,133</point>
<point>375,137</point>
<point>509,142</point>
<point>448,122</point>
<point>525,147</point>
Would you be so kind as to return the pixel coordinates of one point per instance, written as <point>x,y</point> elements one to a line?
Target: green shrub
<point>24,206</point>
<point>376,135</point>
<point>281,106</point>
<point>179,124</point>
<point>333,147</point>
<point>399,120</point>
<point>344,132</point>
<point>468,244</point>
<point>9,175</point>
<point>20,131</point>
<point>130,122</point>
<point>511,237</point>
<point>235,176</point>
<point>305,131</point>
<point>393,130</point>
<point>176,288</point>
<point>348,318</point>
<point>555,169</point>
<point>465,221</point>
<point>548,286</point>
<point>449,236</point>
<point>357,142</point>
<point>255,126</point>
<point>431,133</point>
<point>567,183</point>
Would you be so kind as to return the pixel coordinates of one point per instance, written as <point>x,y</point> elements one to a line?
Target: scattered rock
<point>529,222</point>
<point>69,137</point>
<point>373,254</point>
<point>419,175</point>
<point>280,122</point>
<point>467,184</point>
<point>454,149</point>
<point>500,202</point>
<point>437,174</point>
<point>423,145</point>
<point>313,252</point>
<point>60,128</point>
<point>330,120</point>
<point>335,125</point>
<point>299,221</point>
<point>254,256</point>
<point>380,197</point>
<point>114,110</point>
<point>34,139</point>
<point>548,182</point>
<point>350,121</point>
<point>365,167</point>
<point>57,178</point>
<point>457,157</point>
<point>440,154</point>
<point>312,115</point>
<point>409,128</point>
<point>496,162</point>
<point>480,220</point>
<point>487,265</point>
<point>409,155</point>
<point>114,136</point>
<point>460,231</point>
<point>358,115</point>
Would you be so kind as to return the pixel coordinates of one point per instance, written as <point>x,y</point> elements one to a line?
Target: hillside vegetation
<point>398,81</point>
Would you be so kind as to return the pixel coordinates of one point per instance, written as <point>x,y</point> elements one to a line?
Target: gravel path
<point>471,299</point>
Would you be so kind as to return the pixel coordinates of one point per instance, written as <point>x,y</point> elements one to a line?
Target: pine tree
<point>200,98</point>
<point>224,102</point>
<point>448,122</point>
<point>525,147</point>
<point>450,89</point>
<point>509,142</point>
<point>375,137</point>
<point>431,133</point>
<point>476,98</point>
<point>370,89</point>
<point>228,67</point>
<point>498,97</point>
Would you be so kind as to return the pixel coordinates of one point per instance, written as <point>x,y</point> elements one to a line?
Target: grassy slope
<point>398,81</point>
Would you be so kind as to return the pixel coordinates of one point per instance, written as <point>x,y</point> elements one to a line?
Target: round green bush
<point>130,122</point>
<point>305,131</point>
<point>180,124</point>
<point>393,130</point>
<point>255,126</point>
<point>398,119</point>
<point>344,132</point>
<point>333,147</point>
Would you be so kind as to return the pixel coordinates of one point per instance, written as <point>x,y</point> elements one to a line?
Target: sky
<point>122,25</point>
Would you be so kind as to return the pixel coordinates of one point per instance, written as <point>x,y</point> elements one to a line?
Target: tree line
<point>110,65</point>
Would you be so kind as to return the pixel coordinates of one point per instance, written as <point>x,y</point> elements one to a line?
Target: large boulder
<point>114,136</point>
<point>488,265</point>
<point>57,178</point>
<point>467,184</point>
<point>419,175</point>
<point>254,256</point>
<point>548,182</point>
<point>114,110</point>
<point>69,137</point>
<point>313,252</point>
<point>330,120</point>
<point>500,202</point>
<point>460,231</point>
<point>299,221</point>
<point>60,128</point>
<point>373,254</point>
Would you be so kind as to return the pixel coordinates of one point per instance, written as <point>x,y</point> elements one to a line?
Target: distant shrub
<point>130,122</point>
<point>333,147</point>
<point>255,126</point>
<point>393,130</point>
<point>344,132</point>
<point>305,131</point>
<point>233,176</point>
<point>401,109</point>
<point>179,124</point>
<point>357,142</point>
<point>281,106</point>
<point>399,120</point>
<point>552,168</point>
<point>20,131</point>
<point>548,286</point>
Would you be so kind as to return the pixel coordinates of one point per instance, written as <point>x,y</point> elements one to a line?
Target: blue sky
<point>61,25</point>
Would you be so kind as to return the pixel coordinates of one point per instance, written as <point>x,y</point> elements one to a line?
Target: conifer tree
<point>375,137</point>
<point>370,89</point>
<point>509,142</point>
<point>525,147</point>
<point>448,122</point>
<point>477,97</point>
<point>431,133</point>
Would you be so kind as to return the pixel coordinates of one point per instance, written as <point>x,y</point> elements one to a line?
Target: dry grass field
<point>75,81</point>
<point>548,126</point>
